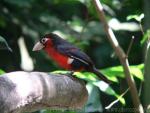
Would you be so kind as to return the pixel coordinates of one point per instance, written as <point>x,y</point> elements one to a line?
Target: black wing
<point>73,52</point>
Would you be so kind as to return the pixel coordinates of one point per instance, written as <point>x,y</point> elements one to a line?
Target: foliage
<point>76,21</point>
<point>117,71</point>
<point>146,36</point>
<point>112,73</point>
<point>1,71</point>
<point>91,79</point>
<point>136,17</point>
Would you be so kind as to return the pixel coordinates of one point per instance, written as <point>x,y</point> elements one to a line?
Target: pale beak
<point>38,46</point>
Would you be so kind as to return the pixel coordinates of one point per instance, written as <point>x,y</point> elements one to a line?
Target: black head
<point>48,40</point>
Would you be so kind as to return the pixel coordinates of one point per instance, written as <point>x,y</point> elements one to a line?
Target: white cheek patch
<point>70,60</point>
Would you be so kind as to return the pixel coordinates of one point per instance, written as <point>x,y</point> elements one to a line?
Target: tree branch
<point>30,91</point>
<point>122,57</point>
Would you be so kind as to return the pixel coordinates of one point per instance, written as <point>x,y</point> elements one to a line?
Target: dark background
<point>77,22</point>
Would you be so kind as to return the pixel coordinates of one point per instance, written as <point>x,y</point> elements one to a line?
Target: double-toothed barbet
<point>66,55</point>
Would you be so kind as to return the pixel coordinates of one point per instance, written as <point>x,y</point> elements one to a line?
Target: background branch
<point>122,57</point>
<point>130,46</point>
<point>30,91</point>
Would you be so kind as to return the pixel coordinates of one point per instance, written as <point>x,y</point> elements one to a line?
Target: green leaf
<point>146,36</point>
<point>86,75</point>
<point>115,101</point>
<point>4,44</point>
<point>104,87</point>
<point>92,104</point>
<point>92,79</point>
<point>1,71</point>
<point>135,71</point>
<point>113,72</point>
<point>136,17</point>
<point>108,90</point>
<point>117,71</point>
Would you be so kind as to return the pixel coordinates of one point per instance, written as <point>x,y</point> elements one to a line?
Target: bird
<point>67,55</point>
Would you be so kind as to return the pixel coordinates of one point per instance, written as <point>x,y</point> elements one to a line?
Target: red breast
<point>61,60</point>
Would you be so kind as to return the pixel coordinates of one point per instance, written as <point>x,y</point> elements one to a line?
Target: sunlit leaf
<point>146,36</point>
<point>117,71</point>
<point>86,76</point>
<point>136,17</point>
<point>115,101</point>
<point>91,78</point>
<point>140,66</point>
<point>108,90</point>
<point>101,85</point>
<point>137,72</point>
<point>1,71</point>
<point>111,73</point>
<point>92,104</point>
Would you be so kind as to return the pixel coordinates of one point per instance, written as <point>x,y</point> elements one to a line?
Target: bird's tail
<point>101,76</point>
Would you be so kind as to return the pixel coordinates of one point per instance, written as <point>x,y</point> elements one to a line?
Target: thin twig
<point>140,88</point>
<point>141,28</point>
<point>122,57</point>
<point>130,45</point>
<point>114,102</point>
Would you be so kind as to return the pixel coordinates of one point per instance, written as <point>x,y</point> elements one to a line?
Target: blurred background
<point>24,22</point>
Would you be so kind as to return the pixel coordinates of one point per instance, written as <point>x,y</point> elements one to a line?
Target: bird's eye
<point>43,40</point>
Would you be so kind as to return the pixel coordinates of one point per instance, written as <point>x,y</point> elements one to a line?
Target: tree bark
<point>30,91</point>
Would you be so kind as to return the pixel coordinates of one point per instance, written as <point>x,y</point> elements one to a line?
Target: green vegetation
<point>77,21</point>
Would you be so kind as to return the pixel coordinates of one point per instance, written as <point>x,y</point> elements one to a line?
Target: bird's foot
<point>70,73</point>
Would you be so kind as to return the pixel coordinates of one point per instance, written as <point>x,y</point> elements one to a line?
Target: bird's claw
<point>70,73</point>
